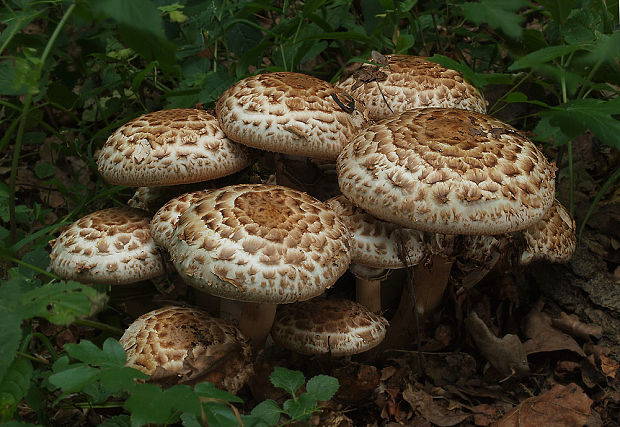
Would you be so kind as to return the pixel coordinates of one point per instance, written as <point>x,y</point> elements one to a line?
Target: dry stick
<point>383,96</point>
<point>404,258</point>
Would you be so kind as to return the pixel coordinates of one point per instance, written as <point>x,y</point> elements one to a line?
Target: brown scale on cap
<point>408,82</point>
<point>261,243</point>
<point>553,238</point>
<point>170,147</point>
<point>447,171</point>
<point>108,246</point>
<point>328,326</point>
<point>186,345</point>
<point>290,113</point>
<point>166,218</point>
<point>375,242</point>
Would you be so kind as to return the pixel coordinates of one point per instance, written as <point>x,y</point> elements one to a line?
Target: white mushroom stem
<point>368,285</point>
<point>256,321</point>
<point>430,282</point>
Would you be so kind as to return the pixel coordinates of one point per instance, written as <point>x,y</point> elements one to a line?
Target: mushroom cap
<point>290,113</point>
<point>375,243</point>
<point>447,171</point>
<point>260,243</point>
<point>170,147</point>
<point>553,238</point>
<point>408,82</point>
<point>184,344</point>
<point>111,246</point>
<point>166,218</point>
<point>323,326</point>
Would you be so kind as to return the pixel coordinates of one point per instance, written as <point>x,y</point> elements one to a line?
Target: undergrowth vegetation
<point>73,71</point>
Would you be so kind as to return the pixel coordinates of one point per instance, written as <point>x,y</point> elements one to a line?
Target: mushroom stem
<point>256,321</point>
<point>368,293</point>
<point>430,282</point>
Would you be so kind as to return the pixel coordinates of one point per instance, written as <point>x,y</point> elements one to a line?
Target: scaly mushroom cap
<point>186,345</point>
<point>260,243</point>
<point>112,246</point>
<point>410,82</point>
<point>447,171</point>
<point>374,242</point>
<point>166,218</point>
<point>328,326</point>
<point>553,238</point>
<point>170,147</point>
<point>290,113</point>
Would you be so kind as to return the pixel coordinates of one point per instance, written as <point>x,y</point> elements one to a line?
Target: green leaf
<point>559,9</point>
<point>322,387</point>
<point>207,389</point>
<point>497,14</point>
<point>300,408</point>
<point>287,379</point>
<point>11,319</point>
<point>75,378</point>
<point>220,415</point>
<point>117,421</point>
<point>543,55</point>
<point>14,387</point>
<point>148,405</point>
<point>44,170</point>
<point>268,411</point>
<point>10,82</point>
<point>60,303</point>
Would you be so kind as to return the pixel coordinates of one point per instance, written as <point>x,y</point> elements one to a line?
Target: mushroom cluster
<point>426,180</point>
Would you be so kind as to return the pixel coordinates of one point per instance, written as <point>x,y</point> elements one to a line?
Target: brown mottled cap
<point>328,326</point>
<point>170,147</point>
<point>165,219</point>
<point>553,238</point>
<point>290,113</point>
<point>260,243</point>
<point>108,246</point>
<point>447,171</point>
<point>408,82</point>
<point>186,345</point>
<point>375,243</point>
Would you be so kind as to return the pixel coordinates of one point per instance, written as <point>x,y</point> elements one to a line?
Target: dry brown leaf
<point>424,405</point>
<point>505,354</point>
<point>485,414</point>
<point>609,366</point>
<point>571,324</point>
<point>543,336</point>
<point>562,406</point>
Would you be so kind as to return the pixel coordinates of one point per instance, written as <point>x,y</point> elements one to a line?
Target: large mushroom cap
<point>166,218</point>
<point>553,238</point>
<point>260,243</point>
<point>184,344</point>
<point>170,147</point>
<point>328,326</point>
<point>375,243</point>
<point>406,82</point>
<point>447,171</point>
<point>111,246</point>
<point>290,113</point>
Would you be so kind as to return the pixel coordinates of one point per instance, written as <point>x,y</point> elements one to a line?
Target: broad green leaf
<point>10,82</point>
<point>220,415</point>
<point>543,55</point>
<point>268,410</point>
<point>300,408</point>
<point>44,170</point>
<point>559,9</point>
<point>120,379</point>
<point>606,49</point>
<point>322,387</point>
<point>59,303</point>
<point>74,379</point>
<point>11,319</point>
<point>517,96</point>
<point>501,14</point>
<point>147,404</point>
<point>287,379</point>
<point>207,389</point>
<point>14,386</point>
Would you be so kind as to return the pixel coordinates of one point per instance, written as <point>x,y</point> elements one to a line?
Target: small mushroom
<point>170,147</point>
<point>110,246</point>
<point>402,82</point>
<point>261,244</point>
<point>185,345</point>
<point>321,326</point>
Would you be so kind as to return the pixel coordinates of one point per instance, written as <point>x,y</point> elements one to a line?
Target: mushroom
<point>290,113</point>
<point>170,147</point>
<point>185,345</point>
<point>110,246</point>
<point>402,82</point>
<point>446,171</point>
<point>261,244</point>
<point>322,326</point>
<point>375,248</point>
